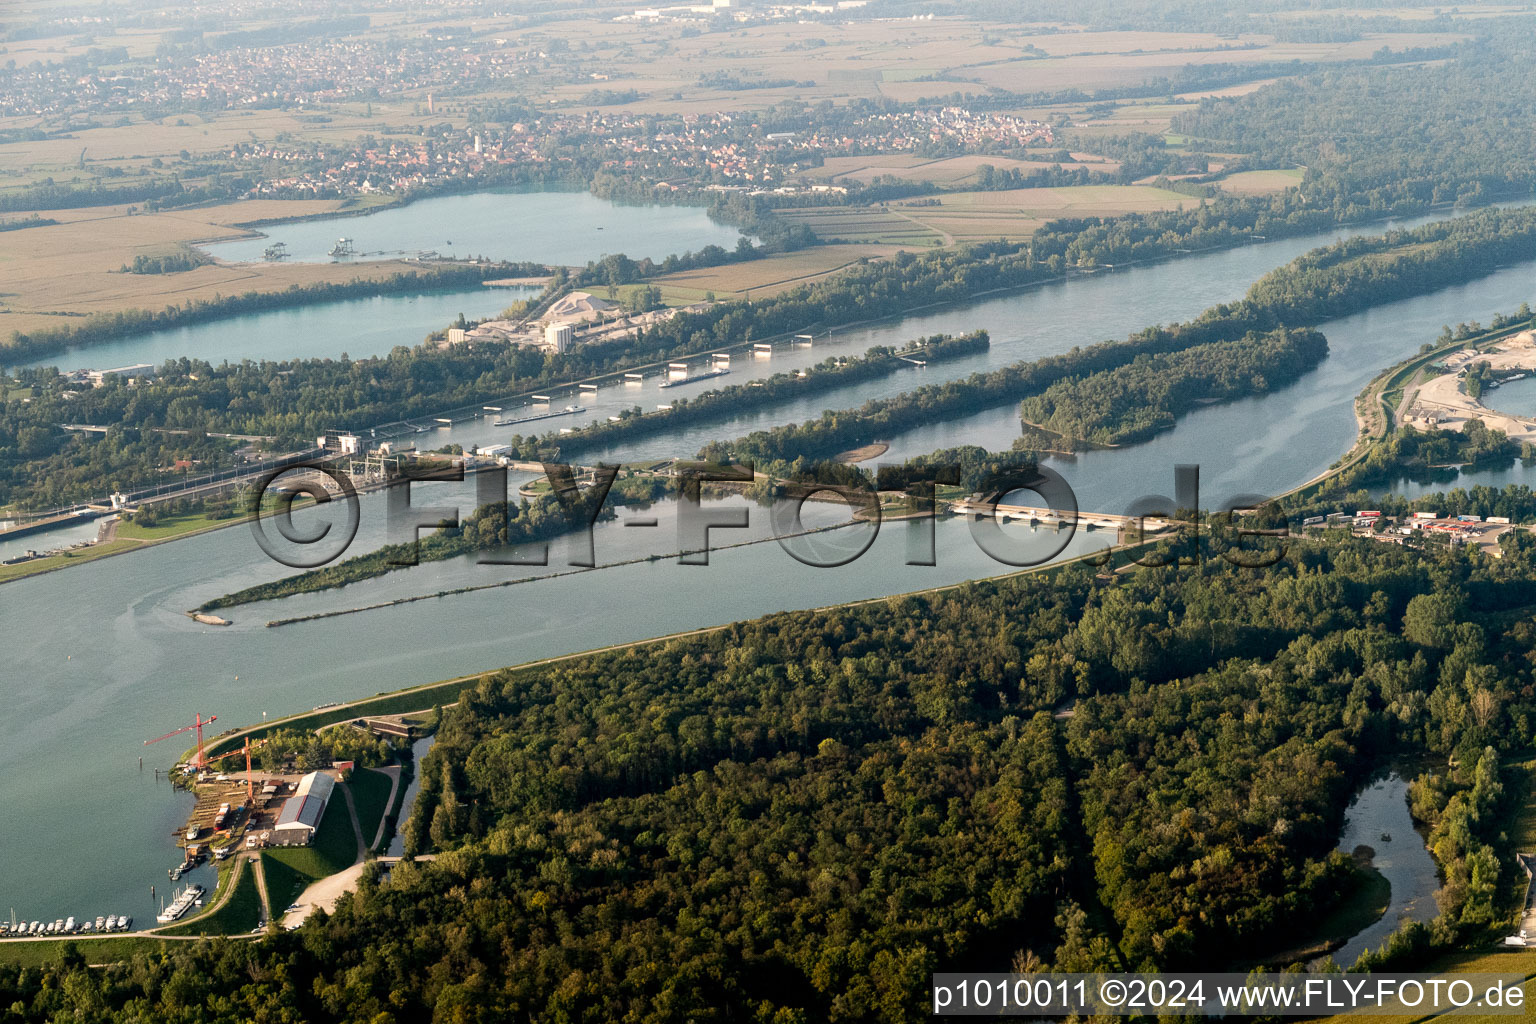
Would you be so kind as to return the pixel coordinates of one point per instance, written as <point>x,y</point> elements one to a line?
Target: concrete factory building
<point>558,337</point>
<point>300,816</point>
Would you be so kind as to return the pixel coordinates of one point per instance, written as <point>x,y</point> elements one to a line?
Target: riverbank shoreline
<point>1377,395</point>
<point>444,691</point>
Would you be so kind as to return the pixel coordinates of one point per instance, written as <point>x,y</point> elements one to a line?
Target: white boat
<point>99,922</point>
<point>192,894</point>
<point>111,922</point>
<point>69,924</point>
<point>124,923</point>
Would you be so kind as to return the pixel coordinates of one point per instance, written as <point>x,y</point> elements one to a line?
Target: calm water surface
<point>1381,809</point>
<point>355,327</point>
<point>408,798</point>
<point>100,659</point>
<point>568,228</point>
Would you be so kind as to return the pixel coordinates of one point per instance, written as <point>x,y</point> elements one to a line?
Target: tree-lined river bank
<point>103,658</point>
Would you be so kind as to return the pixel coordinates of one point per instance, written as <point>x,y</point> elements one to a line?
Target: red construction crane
<point>250,790</point>
<point>198,724</point>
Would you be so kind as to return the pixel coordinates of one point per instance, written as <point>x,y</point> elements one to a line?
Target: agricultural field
<point>967,216</point>
<point>949,171</point>
<point>1101,60</point>
<point>52,274</point>
<point>765,277</point>
<point>1424,13</point>
<point>879,224</point>
<point>1259,183</point>
<point>133,144</point>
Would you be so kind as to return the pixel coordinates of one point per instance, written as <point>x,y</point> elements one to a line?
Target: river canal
<point>101,658</point>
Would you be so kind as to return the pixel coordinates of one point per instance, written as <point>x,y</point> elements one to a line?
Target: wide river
<point>102,658</point>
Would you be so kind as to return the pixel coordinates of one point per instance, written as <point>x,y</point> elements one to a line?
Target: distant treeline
<point>33,221</point>
<point>1384,136</point>
<point>49,196</point>
<point>173,263</point>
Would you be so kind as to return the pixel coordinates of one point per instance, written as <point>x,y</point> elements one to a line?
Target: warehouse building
<point>300,816</point>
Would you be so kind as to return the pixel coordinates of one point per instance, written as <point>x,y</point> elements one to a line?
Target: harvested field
<point>1258,183</point>
<point>958,170</point>
<point>863,224</point>
<point>53,274</point>
<point>768,276</point>
<point>1017,213</point>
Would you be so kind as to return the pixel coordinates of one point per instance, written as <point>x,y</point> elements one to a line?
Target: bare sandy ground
<point>1444,403</point>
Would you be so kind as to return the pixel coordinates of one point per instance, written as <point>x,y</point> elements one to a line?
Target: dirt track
<point>1443,402</point>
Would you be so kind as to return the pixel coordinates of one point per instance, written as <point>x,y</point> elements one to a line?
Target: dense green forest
<point>1132,402</point>
<point>1435,132</point>
<point>801,817</point>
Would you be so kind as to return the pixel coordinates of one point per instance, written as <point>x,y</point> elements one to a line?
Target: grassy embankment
<point>238,916</point>
<point>130,537</point>
<point>370,795</point>
<point>95,951</point>
<point>292,868</point>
